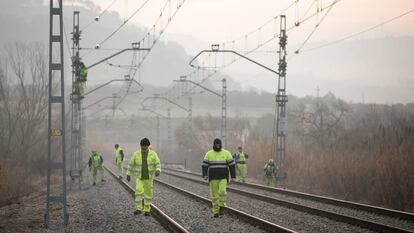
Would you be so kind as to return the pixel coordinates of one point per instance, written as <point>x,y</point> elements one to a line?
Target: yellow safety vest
<point>118,155</point>
<point>135,164</point>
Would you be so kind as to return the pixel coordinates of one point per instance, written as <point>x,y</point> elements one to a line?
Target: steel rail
<point>328,200</point>
<point>323,213</point>
<point>264,224</point>
<point>164,219</point>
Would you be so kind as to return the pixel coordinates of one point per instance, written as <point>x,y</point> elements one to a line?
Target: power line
<point>308,10</point>
<point>361,32</point>
<point>152,42</point>
<point>103,49</point>
<point>134,66</point>
<point>67,41</point>
<point>119,27</point>
<point>316,26</point>
<point>262,25</point>
<point>100,15</point>
<point>206,74</point>
<point>125,22</point>
<point>260,45</point>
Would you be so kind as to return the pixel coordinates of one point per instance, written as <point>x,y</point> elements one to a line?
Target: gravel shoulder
<point>106,207</point>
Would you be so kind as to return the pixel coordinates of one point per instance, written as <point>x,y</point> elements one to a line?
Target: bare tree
<point>238,131</point>
<point>7,121</point>
<point>23,91</point>
<point>321,119</point>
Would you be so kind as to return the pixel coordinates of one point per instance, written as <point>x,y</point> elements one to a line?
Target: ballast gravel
<point>289,218</point>
<point>369,216</point>
<point>106,207</point>
<point>196,216</point>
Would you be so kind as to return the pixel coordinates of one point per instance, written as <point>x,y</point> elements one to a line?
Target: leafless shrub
<point>367,155</point>
<point>23,112</point>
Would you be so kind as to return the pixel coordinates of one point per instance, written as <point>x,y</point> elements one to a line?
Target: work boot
<point>146,213</point>
<point>94,183</point>
<point>103,180</point>
<point>215,215</point>
<point>137,212</point>
<point>221,211</point>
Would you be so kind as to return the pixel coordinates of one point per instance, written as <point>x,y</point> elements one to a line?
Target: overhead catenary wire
<point>100,15</point>
<point>316,26</point>
<point>137,67</point>
<point>124,23</point>
<point>129,83</point>
<point>132,72</point>
<point>67,41</point>
<point>104,49</point>
<point>119,27</point>
<point>153,42</point>
<point>308,10</point>
<point>360,32</point>
<point>257,29</point>
<point>206,75</point>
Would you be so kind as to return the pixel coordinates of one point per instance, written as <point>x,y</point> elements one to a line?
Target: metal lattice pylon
<point>76,116</point>
<point>281,99</point>
<point>224,113</point>
<point>56,116</point>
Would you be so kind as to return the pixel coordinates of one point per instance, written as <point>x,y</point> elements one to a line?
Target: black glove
<point>128,178</point>
<point>157,173</point>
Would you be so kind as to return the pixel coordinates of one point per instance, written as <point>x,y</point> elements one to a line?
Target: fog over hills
<point>376,70</point>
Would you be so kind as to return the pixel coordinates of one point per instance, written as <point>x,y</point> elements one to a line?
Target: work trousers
<point>218,194</point>
<point>95,172</point>
<point>241,172</point>
<point>82,85</point>
<point>143,194</point>
<point>120,168</point>
<point>269,180</point>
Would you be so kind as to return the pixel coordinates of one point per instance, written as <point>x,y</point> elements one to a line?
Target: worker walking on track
<point>216,165</point>
<point>144,164</point>
<point>95,164</point>
<point>119,159</point>
<point>269,173</point>
<point>241,167</point>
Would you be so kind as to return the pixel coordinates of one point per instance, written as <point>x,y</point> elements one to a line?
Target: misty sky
<point>200,23</point>
<point>223,20</point>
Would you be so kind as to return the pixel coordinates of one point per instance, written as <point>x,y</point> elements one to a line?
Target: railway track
<point>232,219</point>
<point>164,219</point>
<point>396,221</point>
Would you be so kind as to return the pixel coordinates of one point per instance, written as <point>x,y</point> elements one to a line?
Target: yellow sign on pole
<point>56,132</point>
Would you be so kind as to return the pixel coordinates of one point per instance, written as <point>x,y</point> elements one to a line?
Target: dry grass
<point>385,179</point>
<point>14,183</point>
<point>370,158</point>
